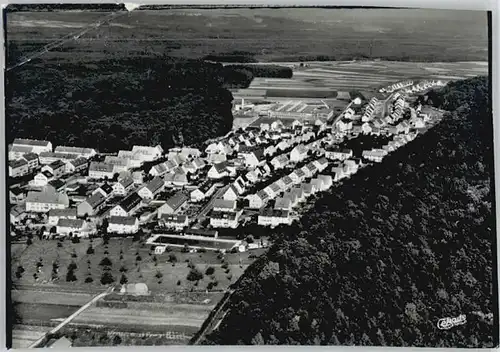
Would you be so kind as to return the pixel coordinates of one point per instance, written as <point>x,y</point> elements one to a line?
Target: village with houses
<point>263,174</point>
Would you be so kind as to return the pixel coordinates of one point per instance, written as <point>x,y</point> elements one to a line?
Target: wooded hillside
<point>386,255</point>
<point>114,104</point>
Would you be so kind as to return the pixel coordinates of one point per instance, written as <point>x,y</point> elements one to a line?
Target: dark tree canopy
<point>118,103</point>
<point>386,255</point>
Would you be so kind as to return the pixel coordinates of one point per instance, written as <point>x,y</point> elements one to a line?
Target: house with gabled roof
<point>299,193</point>
<point>49,157</point>
<point>65,226</point>
<point>343,125</point>
<point>76,165</point>
<point>174,221</point>
<point>307,172</point>
<point>280,161</point>
<point>283,203</point>
<point>224,205</point>
<point>189,167</point>
<point>91,205</point>
<point>56,168</point>
<point>17,151</point>
<point>42,179</point>
<point>18,168</point>
<point>215,158</point>
<point>86,153</point>
<point>292,196</point>
<point>252,176</point>
<point>257,200</point>
<point>321,164</point>
<point>159,169</point>
<point>351,166</point>
<point>313,169</point>
<point>221,170</point>
<point>230,194</point>
<point>308,189</point>
<point>202,192</point>
<point>254,158</point>
<point>326,182</point>
<point>378,123</point>
<point>123,224</point>
<point>274,217</point>
<point>36,146</point>
<point>211,148</point>
<point>286,182</point>
<point>106,190</point>
<point>283,145</point>
<point>295,178</point>
<point>123,186</point>
<point>270,150</point>
<point>174,204</point>
<point>176,158</point>
<point>199,163</point>
<point>277,187</point>
<point>298,153</point>
<point>119,164</point>
<point>127,206</point>
<point>301,174</point>
<point>224,219</point>
<point>16,195</point>
<point>233,141</point>
<point>375,155</point>
<point>176,177</point>
<point>17,214</point>
<point>32,160</point>
<point>56,214</point>
<point>317,184</point>
<point>147,153</point>
<point>155,186</point>
<point>99,170</point>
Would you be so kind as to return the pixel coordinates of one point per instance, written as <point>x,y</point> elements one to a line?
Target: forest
<point>383,257</point>
<point>240,76</point>
<point>114,104</point>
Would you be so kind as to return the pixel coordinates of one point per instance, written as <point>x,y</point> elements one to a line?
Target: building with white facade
<point>123,224</point>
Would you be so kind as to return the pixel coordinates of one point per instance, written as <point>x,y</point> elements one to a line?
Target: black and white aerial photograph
<point>245,175</point>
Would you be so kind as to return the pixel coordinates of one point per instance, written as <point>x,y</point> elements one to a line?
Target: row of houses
<point>424,85</point>
<point>280,214</point>
<point>20,147</point>
<point>377,155</point>
<point>370,110</point>
<point>261,197</point>
<point>29,162</point>
<point>396,86</point>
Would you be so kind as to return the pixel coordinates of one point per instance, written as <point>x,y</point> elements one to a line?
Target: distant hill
<point>385,256</point>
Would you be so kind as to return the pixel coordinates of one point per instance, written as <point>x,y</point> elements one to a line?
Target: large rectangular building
<point>301,110</point>
<point>36,146</point>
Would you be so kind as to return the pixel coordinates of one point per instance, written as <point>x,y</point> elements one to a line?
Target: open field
<point>265,34</point>
<point>320,79</point>
<point>143,270</point>
<point>25,335</point>
<point>172,308</point>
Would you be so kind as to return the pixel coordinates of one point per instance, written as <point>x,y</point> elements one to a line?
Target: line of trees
<point>389,253</point>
